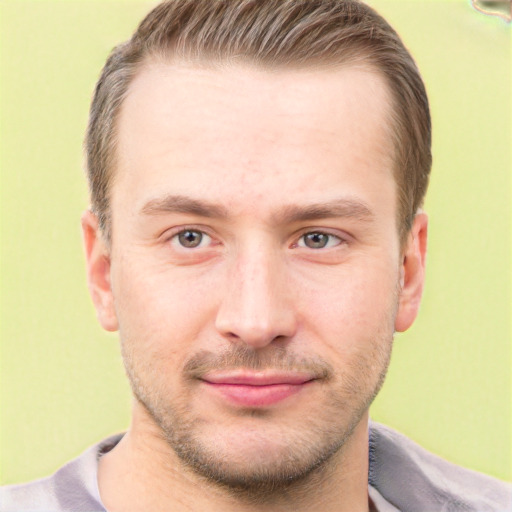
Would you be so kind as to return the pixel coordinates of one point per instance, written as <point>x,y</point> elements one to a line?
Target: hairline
<point>167,56</point>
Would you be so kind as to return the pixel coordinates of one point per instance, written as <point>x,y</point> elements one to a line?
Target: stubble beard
<point>305,450</point>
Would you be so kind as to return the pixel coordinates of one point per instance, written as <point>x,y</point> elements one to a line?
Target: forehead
<point>229,130</point>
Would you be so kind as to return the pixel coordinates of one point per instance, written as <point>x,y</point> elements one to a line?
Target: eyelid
<point>342,236</point>
<point>176,230</point>
<point>332,241</point>
<point>204,242</point>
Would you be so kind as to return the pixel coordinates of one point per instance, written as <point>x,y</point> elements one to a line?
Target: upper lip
<point>254,378</point>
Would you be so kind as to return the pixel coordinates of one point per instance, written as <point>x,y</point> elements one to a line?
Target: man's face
<point>255,266</point>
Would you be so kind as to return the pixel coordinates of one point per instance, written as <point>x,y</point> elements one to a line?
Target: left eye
<point>191,239</point>
<point>318,240</point>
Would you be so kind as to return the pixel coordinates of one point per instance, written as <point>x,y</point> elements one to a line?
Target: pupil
<point>316,240</point>
<point>190,238</point>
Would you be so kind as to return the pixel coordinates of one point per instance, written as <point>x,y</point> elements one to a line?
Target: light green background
<point>62,383</point>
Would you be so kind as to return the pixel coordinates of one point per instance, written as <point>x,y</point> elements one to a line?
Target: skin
<point>264,168</point>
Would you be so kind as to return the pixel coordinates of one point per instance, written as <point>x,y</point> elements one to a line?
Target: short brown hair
<point>268,33</point>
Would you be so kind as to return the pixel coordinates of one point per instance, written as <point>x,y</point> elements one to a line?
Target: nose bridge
<point>256,307</point>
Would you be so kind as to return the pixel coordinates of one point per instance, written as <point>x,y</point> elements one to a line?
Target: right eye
<point>191,239</point>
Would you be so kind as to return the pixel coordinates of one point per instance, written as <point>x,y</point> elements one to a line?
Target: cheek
<point>352,306</point>
<point>161,311</point>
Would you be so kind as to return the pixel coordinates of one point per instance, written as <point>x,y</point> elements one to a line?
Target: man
<point>257,171</point>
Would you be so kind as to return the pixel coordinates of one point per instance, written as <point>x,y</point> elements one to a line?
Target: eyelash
<point>330,238</point>
<point>175,239</point>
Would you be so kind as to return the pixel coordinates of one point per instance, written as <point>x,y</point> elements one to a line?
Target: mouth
<point>256,389</point>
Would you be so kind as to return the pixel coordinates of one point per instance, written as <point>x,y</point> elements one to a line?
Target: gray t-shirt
<point>403,477</point>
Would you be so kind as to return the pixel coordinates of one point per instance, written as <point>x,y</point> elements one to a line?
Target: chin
<point>257,465</point>
<point>258,457</point>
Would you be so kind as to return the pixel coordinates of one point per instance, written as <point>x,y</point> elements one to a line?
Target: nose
<point>256,306</point>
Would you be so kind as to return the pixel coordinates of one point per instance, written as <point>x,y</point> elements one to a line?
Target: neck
<point>143,473</point>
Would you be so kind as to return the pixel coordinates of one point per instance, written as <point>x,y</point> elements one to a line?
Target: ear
<point>412,273</point>
<point>97,257</point>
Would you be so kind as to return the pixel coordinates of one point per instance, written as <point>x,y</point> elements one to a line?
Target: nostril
<point>256,308</point>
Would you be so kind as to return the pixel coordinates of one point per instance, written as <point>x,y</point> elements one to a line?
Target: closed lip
<point>264,378</point>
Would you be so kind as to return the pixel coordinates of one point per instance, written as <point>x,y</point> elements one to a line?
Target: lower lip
<point>256,396</point>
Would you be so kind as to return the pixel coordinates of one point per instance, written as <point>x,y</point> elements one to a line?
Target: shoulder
<point>416,480</point>
<point>73,487</point>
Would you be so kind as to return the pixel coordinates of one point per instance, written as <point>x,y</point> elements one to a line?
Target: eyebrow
<point>344,207</point>
<point>183,204</point>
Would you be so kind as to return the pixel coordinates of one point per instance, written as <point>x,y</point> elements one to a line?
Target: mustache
<point>240,357</point>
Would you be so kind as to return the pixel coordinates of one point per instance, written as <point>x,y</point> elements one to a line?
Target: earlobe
<point>412,273</point>
<point>97,257</point>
